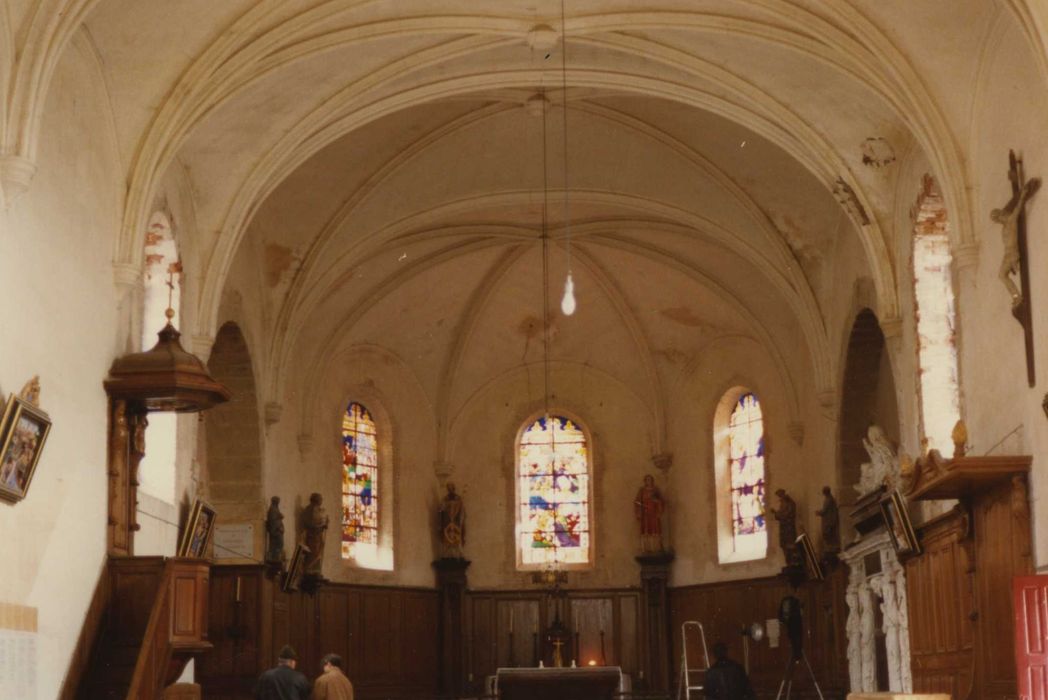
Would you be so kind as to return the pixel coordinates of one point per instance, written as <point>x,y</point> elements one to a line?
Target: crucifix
<point>1012,218</point>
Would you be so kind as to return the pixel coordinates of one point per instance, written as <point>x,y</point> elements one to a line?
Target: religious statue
<point>1008,218</point>
<point>452,524</point>
<point>959,436</point>
<point>867,633</point>
<point>853,629</point>
<point>315,523</point>
<point>831,523</point>
<point>648,508</point>
<point>275,532</point>
<point>786,515</point>
<point>883,464</point>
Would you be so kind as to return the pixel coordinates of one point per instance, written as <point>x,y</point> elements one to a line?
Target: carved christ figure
<point>1008,218</point>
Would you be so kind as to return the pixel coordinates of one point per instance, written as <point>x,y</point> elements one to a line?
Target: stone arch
<point>867,396</point>
<point>233,440</point>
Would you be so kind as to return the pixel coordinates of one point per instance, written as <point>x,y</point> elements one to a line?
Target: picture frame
<point>897,522</point>
<point>296,569</point>
<point>811,561</point>
<point>23,433</point>
<point>200,526</point>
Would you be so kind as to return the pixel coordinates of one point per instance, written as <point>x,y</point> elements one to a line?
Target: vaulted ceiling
<point>376,171</point>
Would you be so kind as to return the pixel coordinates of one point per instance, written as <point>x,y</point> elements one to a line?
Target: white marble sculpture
<point>883,466</point>
<point>854,630</point>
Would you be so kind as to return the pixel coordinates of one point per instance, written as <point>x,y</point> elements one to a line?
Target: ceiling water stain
<point>682,315</point>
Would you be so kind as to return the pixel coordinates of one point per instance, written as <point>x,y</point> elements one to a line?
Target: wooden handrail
<point>155,653</point>
<point>176,630</point>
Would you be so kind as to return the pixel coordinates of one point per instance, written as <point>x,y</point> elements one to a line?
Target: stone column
<point>654,575</point>
<point>451,582</point>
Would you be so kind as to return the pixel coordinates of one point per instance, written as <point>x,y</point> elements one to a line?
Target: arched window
<point>939,392</point>
<point>360,521</point>
<point>553,494</point>
<point>161,285</point>
<point>742,533</point>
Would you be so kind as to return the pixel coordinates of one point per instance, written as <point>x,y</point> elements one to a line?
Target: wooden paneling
<point>962,628</point>
<point>940,606</point>
<point>724,608</point>
<point>616,612</point>
<point>387,636</point>
<point>1002,526</point>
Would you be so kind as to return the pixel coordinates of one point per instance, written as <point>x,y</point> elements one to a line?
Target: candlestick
<point>238,590</point>
<point>512,651</point>
<point>535,648</point>
<point>576,645</point>
<point>603,659</point>
<point>511,620</point>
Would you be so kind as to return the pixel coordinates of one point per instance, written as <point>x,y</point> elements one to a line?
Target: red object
<point>1030,595</point>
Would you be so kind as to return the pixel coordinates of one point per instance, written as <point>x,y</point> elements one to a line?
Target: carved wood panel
<point>941,604</point>
<point>724,608</point>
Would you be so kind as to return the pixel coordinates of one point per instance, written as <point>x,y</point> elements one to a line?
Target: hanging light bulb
<point>567,304</point>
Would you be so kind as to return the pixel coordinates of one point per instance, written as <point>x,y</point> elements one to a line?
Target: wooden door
<point>1031,636</point>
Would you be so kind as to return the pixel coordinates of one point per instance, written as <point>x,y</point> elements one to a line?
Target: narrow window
<point>742,533</point>
<point>553,494</point>
<point>359,480</point>
<point>939,392</point>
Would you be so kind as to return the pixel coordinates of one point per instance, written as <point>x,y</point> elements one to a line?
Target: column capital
<point>16,172</point>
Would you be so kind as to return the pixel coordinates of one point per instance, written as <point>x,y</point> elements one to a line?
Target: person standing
<point>283,682</point>
<point>727,679</point>
<point>332,684</point>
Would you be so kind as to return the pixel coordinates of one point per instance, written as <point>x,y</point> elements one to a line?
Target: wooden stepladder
<point>686,685</point>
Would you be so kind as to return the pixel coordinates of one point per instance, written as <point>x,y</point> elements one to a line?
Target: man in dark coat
<point>727,679</point>
<point>283,682</point>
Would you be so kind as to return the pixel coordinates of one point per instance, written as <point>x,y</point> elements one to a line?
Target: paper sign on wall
<point>234,541</point>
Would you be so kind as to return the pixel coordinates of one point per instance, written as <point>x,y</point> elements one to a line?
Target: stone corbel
<point>273,411</point>
<point>16,172</point>
<point>966,257</point>
<point>662,461</point>
<point>796,432</point>
<point>827,399</point>
<point>443,471</point>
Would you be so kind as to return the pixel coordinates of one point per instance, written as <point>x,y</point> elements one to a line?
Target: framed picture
<point>23,432</point>
<point>199,526</point>
<point>897,520</point>
<point>295,569</point>
<point>811,562</point>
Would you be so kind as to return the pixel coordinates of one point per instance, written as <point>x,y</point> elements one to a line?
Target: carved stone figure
<point>885,588</point>
<point>905,672</point>
<point>869,640</point>
<point>786,515</point>
<point>883,464</point>
<point>275,533</point>
<point>315,523</point>
<point>854,631</point>
<point>1008,218</point>
<point>452,523</point>
<point>648,507</point>
<point>831,523</point>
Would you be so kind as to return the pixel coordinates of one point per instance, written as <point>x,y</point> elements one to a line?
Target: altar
<point>587,683</point>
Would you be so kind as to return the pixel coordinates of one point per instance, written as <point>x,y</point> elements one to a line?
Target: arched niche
<point>233,439</point>
<point>868,396</point>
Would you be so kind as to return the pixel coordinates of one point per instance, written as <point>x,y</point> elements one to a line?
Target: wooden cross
<point>1012,218</point>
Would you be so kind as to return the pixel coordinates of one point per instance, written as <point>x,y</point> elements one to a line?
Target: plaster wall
<point>60,322</point>
<point>1000,407</point>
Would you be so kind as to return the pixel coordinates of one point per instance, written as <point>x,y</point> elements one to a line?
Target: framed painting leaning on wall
<point>23,432</point>
<point>199,526</point>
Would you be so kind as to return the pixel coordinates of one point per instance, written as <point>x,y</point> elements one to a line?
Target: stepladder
<point>692,678</point>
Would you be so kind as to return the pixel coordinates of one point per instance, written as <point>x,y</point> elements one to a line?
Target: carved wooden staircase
<point>149,618</point>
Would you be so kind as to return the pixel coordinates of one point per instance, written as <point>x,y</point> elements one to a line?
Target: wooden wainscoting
<point>723,609</point>
<point>488,623</point>
<point>387,636</point>
<point>941,604</point>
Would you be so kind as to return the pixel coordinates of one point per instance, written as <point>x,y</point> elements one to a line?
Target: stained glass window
<point>359,479</point>
<point>746,469</point>
<point>553,493</point>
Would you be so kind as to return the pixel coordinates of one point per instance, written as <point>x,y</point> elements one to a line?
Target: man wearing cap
<point>332,684</point>
<point>283,682</point>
